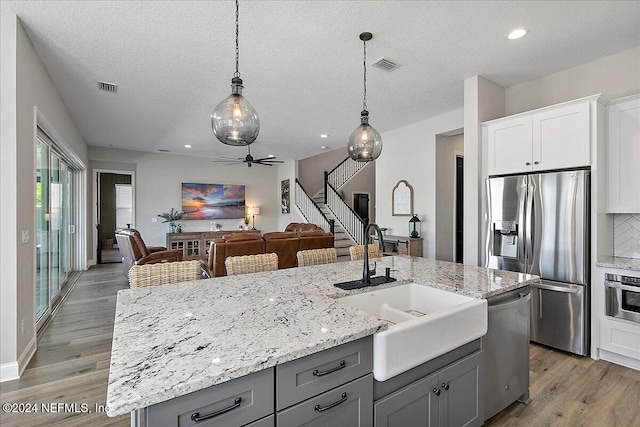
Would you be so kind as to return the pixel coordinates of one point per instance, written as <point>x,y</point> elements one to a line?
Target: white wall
<point>288,170</point>
<point>613,76</point>
<point>36,101</point>
<point>409,153</point>
<point>447,149</point>
<point>158,188</point>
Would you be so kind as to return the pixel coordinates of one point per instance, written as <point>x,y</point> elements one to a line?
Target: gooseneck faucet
<point>366,273</point>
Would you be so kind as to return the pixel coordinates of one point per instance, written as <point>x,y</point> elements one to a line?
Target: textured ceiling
<point>301,62</point>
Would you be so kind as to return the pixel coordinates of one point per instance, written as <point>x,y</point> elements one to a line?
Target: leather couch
<point>135,252</point>
<point>233,245</point>
<point>298,237</point>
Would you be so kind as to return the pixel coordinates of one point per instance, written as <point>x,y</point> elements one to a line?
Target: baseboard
<point>90,262</point>
<point>26,355</point>
<point>619,359</point>
<point>9,371</point>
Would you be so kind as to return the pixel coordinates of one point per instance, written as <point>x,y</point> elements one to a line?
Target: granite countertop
<point>174,339</point>
<point>619,262</point>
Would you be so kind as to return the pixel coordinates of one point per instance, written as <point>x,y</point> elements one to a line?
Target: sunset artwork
<point>212,201</point>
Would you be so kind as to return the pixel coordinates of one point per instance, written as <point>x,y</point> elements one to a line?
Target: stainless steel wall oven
<point>622,296</point>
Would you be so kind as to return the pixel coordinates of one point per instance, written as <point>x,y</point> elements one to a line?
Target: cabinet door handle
<point>437,391</point>
<point>528,163</point>
<point>536,162</point>
<point>343,399</point>
<point>196,415</point>
<point>445,386</point>
<point>317,373</point>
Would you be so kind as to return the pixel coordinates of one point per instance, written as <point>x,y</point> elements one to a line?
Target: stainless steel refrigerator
<point>538,223</point>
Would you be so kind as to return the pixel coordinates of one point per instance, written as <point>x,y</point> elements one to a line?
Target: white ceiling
<point>301,62</point>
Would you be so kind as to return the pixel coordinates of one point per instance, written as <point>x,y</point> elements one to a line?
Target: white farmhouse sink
<point>425,323</point>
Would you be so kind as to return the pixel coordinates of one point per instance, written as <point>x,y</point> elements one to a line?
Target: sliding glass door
<point>54,204</point>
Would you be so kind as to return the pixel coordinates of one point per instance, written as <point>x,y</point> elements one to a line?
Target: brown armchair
<point>135,252</point>
<point>232,245</point>
<point>285,245</point>
<point>301,226</point>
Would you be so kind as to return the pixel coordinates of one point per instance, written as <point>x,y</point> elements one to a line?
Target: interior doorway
<point>115,210</point>
<point>361,205</point>
<point>449,196</point>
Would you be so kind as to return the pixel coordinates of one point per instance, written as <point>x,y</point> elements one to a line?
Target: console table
<point>402,245</point>
<point>195,244</point>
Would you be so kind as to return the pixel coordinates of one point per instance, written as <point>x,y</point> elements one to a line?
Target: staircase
<point>341,240</point>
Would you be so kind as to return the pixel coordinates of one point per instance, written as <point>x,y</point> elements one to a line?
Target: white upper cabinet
<point>623,155</point>
<point>509,144</point>
<point>556,137</point>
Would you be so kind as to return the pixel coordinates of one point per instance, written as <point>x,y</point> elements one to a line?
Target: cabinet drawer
<point>314,374</point>
<point>350,405</point>
<point>238,402</point>
<point>270,421</point>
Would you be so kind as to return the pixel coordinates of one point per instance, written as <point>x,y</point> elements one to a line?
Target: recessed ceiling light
<point>324,135</point>
<point>324,147</point>
<point>187,145</point>
<point>516,34</point>
<point>271,155</point>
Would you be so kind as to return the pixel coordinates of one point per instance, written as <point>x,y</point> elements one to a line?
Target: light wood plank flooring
<point>72,365</point>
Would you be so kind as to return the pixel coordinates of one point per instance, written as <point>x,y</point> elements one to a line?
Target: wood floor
<point>72,366</point>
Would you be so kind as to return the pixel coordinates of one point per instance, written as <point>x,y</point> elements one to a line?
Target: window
<point>124,205</point>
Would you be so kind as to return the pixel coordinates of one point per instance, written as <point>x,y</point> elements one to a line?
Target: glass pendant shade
<point>365,143</point>
<point>234,120</point>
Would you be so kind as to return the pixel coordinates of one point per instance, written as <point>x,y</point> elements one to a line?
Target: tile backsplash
<point>626,235</point>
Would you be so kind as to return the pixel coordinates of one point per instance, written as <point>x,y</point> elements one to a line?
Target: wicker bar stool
<point>316,257</point>
<point>251,263</point>
<point>357,252</point>
<point>165,272</point>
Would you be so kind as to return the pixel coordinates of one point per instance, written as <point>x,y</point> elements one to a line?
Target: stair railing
<point>344,171</point>
<point>352,223</point>
<point>311,211</point>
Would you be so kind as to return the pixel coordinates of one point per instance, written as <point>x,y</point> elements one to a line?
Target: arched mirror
<point>402,199</point>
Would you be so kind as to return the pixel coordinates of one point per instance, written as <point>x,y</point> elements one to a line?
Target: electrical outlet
<point>23,326</point>
<point>25,236</point>
<point>154,219</point>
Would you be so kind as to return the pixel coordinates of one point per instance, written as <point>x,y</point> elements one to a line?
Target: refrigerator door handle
<point>522,255</point>
<point>530,220</point>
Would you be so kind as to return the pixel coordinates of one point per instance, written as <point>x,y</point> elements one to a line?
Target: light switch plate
<point>154,219</point>
<point>25,236</point>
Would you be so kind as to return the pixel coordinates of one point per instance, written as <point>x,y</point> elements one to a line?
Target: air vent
<point>108,87</point>
<point>385,64</point>
<point>163,150</point>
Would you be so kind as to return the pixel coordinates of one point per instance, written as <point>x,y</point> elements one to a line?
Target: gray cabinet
<point>448,397</point>
<point>269,421</point>
<point>231,404</point>
<point>309,376</point>
<point>345,406</point>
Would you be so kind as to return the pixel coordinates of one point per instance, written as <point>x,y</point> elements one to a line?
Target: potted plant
<point>172,218</point>
<point>246,222</point>
<point>384,230</point>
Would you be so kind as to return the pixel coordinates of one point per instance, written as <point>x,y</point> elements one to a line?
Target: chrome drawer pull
<point>196,415</point>
<point>333,405</point>
<point>317,373</point>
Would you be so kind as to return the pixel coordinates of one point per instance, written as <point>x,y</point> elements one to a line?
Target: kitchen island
<point>176,339</point>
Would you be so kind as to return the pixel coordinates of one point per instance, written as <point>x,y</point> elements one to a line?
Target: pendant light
<point>234,120</point>
<point>365,143</point>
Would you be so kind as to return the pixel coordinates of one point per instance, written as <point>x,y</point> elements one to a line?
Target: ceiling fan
<point>248,159</point>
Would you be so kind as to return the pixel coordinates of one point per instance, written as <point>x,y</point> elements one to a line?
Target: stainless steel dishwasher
<point>506,351</point>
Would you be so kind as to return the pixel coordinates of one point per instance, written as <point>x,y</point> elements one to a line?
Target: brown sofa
<point>233,245</point>
<point>298,237</point>
<point>135,252</point>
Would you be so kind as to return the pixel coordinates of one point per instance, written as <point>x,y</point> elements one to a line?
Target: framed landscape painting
<point>212,201</point>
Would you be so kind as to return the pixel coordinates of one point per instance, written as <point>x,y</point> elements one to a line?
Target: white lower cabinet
<point>448,397</point>
<point>620,336</point>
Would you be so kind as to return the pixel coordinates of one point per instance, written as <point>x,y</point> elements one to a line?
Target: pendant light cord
<point>364,63</point>
<point>237,73</point>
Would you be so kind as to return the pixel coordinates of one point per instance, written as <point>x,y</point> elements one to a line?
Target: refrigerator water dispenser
<point>505,239</point>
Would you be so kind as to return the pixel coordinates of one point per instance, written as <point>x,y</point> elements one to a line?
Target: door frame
<point>96,176</point>
<point>456,154</point>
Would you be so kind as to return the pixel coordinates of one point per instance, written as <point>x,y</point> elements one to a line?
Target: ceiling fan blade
<point>270,161</point>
